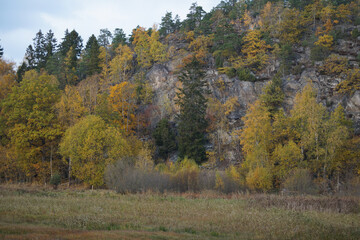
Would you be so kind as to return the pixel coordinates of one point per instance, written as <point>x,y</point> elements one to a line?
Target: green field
<point>35,213</point>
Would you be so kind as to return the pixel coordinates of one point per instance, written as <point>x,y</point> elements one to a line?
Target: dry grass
<point>84,214</point>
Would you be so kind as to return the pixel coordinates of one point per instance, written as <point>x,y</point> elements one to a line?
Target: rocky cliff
<point>163,80</point>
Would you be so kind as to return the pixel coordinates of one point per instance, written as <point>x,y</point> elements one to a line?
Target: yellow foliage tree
<point>121,64</point>
<point>148,48</point>
<point>325,41</point>
<point>157,49</point>
<point>198,46</point>
<point>142,47</point>
<point>335,65</point>
<point>259,178</point>
<point>254,51</point>
<point>70,108</point>
<point>351,83</point>
<point>289,29</point>
<point>286,158</point>
<point>308,118</point>
<point>123,101</point>
<point>7,78</point>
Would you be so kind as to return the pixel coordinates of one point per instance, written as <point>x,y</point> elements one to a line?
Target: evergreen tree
<point>39,50</point>
<point>50,45</point>
<point>1,51</point>
<point>168,24</point>
<point>192,103</point>
<point>91,56</point>
<point>104,40</point>
<point>273,95</point>
<point>164,138</point>
<point>119,38</point>
<point>194,17</point>
<point>72,41</point>
<point>30,57</point>
<point>21,71</point>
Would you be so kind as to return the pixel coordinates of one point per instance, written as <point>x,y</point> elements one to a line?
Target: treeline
<point>76,111</point>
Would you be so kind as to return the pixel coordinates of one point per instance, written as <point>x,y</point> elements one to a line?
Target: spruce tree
<point>1,51</point>
<point>39,50</point>
<point>91,56</point>
<point>30,57</point>
<point>50,45</point>
<point>71,41</point>
<point>191,120</point>
<point>164,138</point>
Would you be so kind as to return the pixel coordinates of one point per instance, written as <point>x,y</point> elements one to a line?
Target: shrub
<point>245,74</point>
<point>319,53</point>
<point>259,179</point>
<point>123,177</point>
<point>186,176</point>
<point>300,181</point>
<point>355,33</point>
<point>55,180</point>
<point>229,71</point>
<point>334,65</point>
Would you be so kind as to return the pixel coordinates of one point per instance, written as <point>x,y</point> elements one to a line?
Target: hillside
<point>253,92</point>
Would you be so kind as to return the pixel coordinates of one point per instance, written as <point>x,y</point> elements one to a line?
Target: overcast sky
<point>20,20</point>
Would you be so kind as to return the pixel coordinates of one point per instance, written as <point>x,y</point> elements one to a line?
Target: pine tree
<point>192,103</point>
<point>118,39</point>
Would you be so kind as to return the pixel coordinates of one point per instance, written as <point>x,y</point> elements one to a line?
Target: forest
<point>86,112</point>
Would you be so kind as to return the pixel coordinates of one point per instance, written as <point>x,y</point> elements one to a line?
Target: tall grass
<point>190,216</point>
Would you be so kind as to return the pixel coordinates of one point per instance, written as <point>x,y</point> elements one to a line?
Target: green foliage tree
<point>104,40</point>
<point>1,51</point>
<point>39,50</point>
<point>118,39</point>
<point>50,45</point>
<point>71,41</point>
<point>168,24</point>
<point>191,119</point>
<point>194,17</point>
<point>273,95</point>
<point>164,138</point>
<point>91,56</point>
<point>30,57</point>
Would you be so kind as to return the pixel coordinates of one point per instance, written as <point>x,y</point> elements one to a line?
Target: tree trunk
<point>51,162</point>
<point>69,170</point>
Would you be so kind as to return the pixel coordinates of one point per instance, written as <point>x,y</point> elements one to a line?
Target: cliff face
<point>163,79</point>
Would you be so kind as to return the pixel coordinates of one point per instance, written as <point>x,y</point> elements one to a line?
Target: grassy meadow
<point>42,213</point>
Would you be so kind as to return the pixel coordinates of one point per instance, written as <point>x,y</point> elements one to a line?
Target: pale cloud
<point>85,16</point>
<point>16,38</point>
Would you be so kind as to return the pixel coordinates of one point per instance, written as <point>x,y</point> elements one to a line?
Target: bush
<point>319,53</point>
<point>229,71</point>
<point>123,177</point>
<point>259,179</point>
<point>355,33</point>
<point>55,180</point>
<point>245,74</point>
<point>300,181</point>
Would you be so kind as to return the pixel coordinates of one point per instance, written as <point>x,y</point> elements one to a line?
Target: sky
<point>20,20</point>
